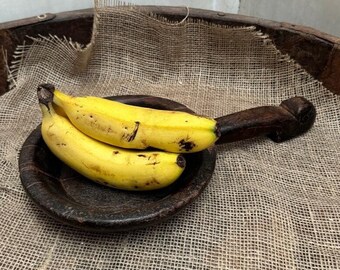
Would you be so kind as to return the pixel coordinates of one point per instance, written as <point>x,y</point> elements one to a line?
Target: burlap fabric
<point>268,206</point>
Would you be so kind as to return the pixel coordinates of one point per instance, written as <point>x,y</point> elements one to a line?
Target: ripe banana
<point>135,127</point>
<point>103,163</point>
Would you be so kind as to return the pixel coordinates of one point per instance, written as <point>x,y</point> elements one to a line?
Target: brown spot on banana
<point>143,141</point>
<point>153,163</point>
<point>155,181</point>
<point>153,156</point>
<point>95,168</point>
<point>96,125</point>
<point>186,145</point>
<point>130,137</point>
<point>61,144</point>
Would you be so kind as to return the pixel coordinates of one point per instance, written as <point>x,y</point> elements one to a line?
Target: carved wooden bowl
<point>70,198</point>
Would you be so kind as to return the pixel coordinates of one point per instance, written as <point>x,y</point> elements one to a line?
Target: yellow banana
<point>135,127</point>
<point>103,163</point>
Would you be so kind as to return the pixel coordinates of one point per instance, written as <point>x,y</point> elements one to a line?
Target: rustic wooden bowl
<point>70,198</point>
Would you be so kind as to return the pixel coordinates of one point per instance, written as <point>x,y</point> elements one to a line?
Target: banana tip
<point>217,130</point>
<point>181,162</point>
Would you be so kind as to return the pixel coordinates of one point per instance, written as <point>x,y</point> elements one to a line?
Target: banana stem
<point>45,93</point>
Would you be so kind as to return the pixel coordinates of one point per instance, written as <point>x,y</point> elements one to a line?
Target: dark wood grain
<point>292,118</point>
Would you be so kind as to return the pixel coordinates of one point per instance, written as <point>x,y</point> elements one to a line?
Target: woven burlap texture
<point>268,205</point>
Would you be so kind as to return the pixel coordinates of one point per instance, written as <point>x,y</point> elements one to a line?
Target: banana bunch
<point>106,141</point>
